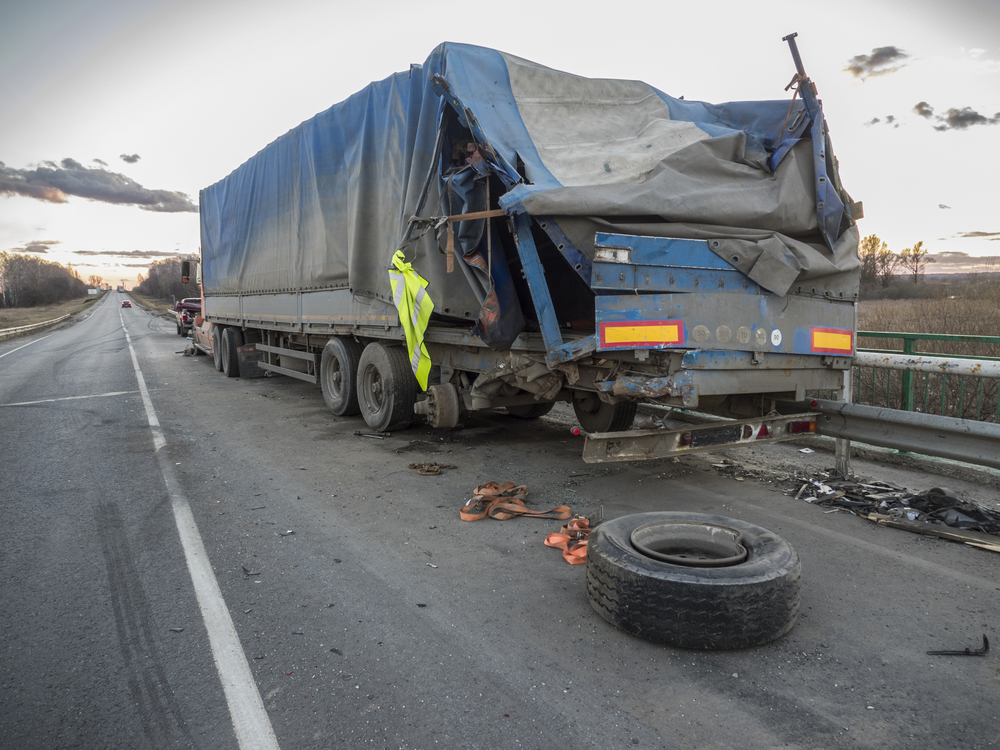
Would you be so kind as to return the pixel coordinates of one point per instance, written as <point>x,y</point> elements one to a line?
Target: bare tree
<point>886,262</point>
<point>869,251</point>
<point>914,260</point>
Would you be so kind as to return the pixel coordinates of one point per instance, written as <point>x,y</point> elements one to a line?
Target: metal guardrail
<point>953,385</point>
<point>22,329</point>
<point>963,440</point>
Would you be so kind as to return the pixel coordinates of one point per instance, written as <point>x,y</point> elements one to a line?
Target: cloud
<point>133,254</point>
<point>980,234</point>
<point>882,61</point>
<point>130,158</point>
<point>941,205</point>
<point>923,109</point>
<point>889,120</point>
<point>55,183</point>
<point>960,119</point>
<point>101,162</point>
<point>37,246</point>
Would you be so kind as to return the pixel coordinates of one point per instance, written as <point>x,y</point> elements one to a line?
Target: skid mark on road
<point>70,398</point>
<point>159,712</point>
<point>250,720</point>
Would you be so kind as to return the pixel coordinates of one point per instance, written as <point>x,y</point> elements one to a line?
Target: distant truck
<point>583,240</point>
<point>186,310</point>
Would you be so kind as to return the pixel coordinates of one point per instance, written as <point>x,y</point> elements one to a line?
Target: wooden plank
<point>989,542</point>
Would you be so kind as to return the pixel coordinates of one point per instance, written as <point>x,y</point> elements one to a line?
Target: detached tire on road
<point>387,389</point>
<point>736,606</point>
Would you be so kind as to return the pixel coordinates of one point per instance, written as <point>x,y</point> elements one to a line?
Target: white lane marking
<point>24,345</point>
<point>69,398</point>
<point>246,709</point>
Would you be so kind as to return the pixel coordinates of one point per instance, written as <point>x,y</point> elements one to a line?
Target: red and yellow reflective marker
<point>832,340</point>
<point>641,334</point>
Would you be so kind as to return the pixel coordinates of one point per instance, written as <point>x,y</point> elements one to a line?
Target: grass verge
<point>14,317</point>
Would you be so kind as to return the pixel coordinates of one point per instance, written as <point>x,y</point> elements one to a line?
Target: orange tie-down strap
<point>506,501</point>
<point>572,540</point>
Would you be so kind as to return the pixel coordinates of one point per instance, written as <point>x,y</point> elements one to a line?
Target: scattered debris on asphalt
<point>376,435</point>
<point>430,468</point>
<point>428,445</point>
<point>936,512</point>
<point>247,572</point>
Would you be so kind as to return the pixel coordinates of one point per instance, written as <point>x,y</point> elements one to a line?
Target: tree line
<point>29,281</point>
<point>879,265</point>
<point>164,281</point>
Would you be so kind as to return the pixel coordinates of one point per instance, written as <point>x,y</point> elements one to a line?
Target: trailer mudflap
<point>640,445</point>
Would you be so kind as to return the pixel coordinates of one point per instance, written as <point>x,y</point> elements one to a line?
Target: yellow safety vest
<point>415,306</point>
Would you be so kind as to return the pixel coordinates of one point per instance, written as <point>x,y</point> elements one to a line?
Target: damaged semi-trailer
<point>482,232</point>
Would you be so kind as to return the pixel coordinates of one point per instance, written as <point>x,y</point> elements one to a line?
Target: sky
<point>117,112</point>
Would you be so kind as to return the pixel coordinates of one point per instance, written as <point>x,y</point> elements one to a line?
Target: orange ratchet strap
<point>506,501</point>
<point>572,540</point>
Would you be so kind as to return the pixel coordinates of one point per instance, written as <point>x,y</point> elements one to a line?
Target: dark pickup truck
<point>186,311</point>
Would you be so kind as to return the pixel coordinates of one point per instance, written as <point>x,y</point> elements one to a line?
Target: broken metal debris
<point>248,572</point>
<point>967,652</point>
<point>936,512</point>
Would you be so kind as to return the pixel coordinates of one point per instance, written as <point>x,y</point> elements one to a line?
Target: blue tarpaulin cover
<point>326,205</point>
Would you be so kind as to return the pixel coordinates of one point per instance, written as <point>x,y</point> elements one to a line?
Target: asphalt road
<point>369,615</point>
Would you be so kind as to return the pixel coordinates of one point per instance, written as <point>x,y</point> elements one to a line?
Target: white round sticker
<point>776,337</point>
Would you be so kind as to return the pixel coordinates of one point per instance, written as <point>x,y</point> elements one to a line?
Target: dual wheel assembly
<point>375,381</point>
<point>693,580</point>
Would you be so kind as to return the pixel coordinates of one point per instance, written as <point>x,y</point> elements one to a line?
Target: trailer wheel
<point>387,389</point>
<point>595,415</point>
<point>530,411</point>
<point>217,348</point>
<point>231,341</point>
<point>338,375</point>
<point>668,578</point>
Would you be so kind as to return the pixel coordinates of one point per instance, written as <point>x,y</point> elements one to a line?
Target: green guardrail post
<point>909,347</point>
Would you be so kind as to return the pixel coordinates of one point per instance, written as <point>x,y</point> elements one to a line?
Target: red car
<point>186,310</point>
<point>126,303</point>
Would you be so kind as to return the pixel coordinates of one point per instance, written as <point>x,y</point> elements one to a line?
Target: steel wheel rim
<point>373,388</point>
<point>690,543</point>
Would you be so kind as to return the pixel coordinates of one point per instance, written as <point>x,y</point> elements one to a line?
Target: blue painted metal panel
<point>535,275</point>
<point>737,322</point>
<point>665,251</point>
<point>621,277</point>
